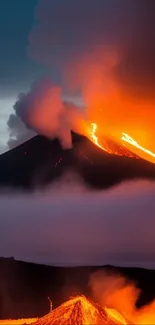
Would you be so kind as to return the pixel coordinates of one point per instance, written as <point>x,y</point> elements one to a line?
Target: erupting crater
<point>81,311</point>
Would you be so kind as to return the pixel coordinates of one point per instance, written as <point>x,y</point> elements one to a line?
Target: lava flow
<point>22,321</point>
<point>128,139</point>
<point>112,147</point>
<point>94,137</point>
<point>76,311</point>
<point>81,311</point>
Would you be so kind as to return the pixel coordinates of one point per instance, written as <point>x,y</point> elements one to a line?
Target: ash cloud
<point>103,52</point>
<point>68,31</point>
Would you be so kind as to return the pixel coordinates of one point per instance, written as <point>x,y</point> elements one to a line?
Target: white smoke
<point>43,111</point>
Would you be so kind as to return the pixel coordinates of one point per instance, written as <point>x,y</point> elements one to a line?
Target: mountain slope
<point>39,161</point>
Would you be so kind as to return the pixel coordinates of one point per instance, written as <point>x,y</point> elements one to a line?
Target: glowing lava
<point>116,316</point>
<point>81,311</point>
<point>128,139</point>
<point>94,137</point>
<point>76,311</point>
<point>115,148</point>
<point>22,321</point>
<point>110,146</point>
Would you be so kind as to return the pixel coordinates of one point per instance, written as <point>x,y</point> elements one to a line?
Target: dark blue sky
<point>17,71</point>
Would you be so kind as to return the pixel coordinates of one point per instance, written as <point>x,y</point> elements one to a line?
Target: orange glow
<point>116,316</point>
<point>109,104</point>
<point>22,321</point>
<point>113,106</point>
<point>116,148</point>
<point>94,137</point>
<point>110,146</point>
<point>81,311</point>
<point>128,139</point>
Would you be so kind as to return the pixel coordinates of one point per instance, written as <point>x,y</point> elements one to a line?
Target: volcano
<point>40,161</point>
<point>79,311</point>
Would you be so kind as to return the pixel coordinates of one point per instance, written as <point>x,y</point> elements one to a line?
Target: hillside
<point>39,161</point>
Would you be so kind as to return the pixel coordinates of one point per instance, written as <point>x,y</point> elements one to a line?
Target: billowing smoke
<point>43,111</point>
<point>103,52</point>
<point>67,32</point>
<point>120,294</point>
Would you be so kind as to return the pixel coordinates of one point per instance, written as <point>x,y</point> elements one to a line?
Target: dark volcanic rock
<point>39,161</point>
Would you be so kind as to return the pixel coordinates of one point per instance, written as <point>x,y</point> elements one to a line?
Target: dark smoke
<point>68,31</point>
<point>90,48</point>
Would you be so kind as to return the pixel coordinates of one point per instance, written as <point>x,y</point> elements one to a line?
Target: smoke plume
<point>102,52</point>
<point>67,32</point>
<point>117,292</point>
<point>43,111</point>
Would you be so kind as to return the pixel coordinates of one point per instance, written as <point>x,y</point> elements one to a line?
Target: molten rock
<point>80,311</point>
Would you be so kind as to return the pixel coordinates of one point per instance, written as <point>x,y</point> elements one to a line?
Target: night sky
<point>17,70</point>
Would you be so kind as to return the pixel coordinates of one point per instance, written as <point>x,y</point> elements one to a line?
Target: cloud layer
<point>70,225</point>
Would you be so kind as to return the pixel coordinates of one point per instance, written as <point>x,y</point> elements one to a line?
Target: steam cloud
<point>103,51</point>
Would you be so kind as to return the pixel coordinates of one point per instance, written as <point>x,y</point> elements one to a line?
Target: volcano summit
<point>40,161</point>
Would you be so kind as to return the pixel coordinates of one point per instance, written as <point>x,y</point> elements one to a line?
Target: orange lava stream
<point>116,316</point>
<point>94,137</point>
<point>125,138</point>
<point>128,139</point>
